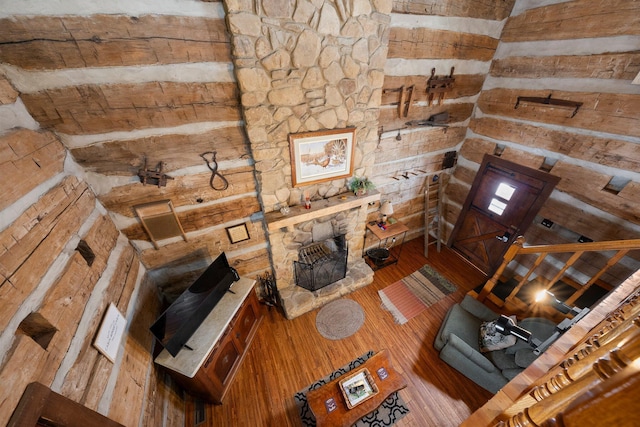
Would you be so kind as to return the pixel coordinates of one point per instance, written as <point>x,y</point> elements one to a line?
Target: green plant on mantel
<point>360,185</point>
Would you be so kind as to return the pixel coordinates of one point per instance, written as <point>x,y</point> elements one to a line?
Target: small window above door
<point>505,191</point>
<point>496,206</point>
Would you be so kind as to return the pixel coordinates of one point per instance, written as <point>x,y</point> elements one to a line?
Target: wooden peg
<point>409,101</point>
<point>403,95</point>
<point>433,75</point>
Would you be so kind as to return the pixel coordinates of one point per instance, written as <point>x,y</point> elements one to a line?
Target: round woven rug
<point>339,319</point>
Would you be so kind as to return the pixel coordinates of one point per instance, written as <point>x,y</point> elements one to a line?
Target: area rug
<point>339,319</point>
<point>410,296</point>
<point>391,410</point>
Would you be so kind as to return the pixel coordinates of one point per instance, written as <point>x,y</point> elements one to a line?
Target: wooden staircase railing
<point>598,383</point>
<point>621,248</point>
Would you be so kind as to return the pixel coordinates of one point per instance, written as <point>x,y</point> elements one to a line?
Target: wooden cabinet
<point>213,379</point>
<point>215,374</point>
<point>218,371</point>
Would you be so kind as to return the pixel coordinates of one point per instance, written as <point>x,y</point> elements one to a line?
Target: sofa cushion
<point>510,374</point>
<point>463,324</point>
<point>540,328</point>
<point>525,357</point>
<point>492,340</point>
<point>502,360</point>
<point>478,309</point>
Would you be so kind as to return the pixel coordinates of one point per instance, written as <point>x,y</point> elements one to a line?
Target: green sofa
<point>458,342</point>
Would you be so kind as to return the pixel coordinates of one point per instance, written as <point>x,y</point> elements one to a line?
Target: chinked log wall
<point>117,85</point>
<point>428,35</point>
<point>84,65</point>
<point>120,89</point>
<point>582,51</point>
<point>53,298</point>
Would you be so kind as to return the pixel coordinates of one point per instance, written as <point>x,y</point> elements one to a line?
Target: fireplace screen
<point>321,264</point>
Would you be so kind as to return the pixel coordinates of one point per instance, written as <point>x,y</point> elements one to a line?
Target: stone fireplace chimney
<point>304,66</point>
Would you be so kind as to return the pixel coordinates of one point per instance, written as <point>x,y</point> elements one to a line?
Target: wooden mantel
<point>342,202</point>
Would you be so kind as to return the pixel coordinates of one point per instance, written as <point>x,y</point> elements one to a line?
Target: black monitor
<point>175,326</point>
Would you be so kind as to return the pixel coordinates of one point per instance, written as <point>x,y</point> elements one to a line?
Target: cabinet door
<point>225,361</point>
<point>246,323</point>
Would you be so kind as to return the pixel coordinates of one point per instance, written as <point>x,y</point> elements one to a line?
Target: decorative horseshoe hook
<point>213,166</point>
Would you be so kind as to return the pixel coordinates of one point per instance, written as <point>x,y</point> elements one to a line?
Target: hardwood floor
<point>287,355</point>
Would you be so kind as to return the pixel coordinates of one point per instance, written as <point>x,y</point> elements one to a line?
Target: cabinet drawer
<point>245,324</point>
<point>224,361</point>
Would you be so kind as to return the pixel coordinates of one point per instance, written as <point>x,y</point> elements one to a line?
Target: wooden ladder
<point>433,191</point>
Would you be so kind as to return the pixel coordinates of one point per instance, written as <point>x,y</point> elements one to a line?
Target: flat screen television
<point>180,320</point>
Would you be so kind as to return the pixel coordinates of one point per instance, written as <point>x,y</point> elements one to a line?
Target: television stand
<point>205,369</point>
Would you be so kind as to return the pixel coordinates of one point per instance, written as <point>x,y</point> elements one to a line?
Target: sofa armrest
<point>468,354</point>
<point>478,309</point>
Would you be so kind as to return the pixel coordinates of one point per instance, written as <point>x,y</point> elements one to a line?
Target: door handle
<point>505,237</point>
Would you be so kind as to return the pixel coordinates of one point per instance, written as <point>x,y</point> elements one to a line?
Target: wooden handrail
<point>622,247</point>
<point>608,245</point>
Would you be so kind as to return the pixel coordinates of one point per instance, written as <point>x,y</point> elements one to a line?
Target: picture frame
<point>358,387</point>
<point>238,233</point>
<point>321,155</point>
<point>109,335</point>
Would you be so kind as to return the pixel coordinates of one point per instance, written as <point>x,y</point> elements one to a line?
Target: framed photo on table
<point>358,387</point>
<point>321,156</point>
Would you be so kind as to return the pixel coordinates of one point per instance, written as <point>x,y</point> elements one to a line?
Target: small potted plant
<point>360,185</point>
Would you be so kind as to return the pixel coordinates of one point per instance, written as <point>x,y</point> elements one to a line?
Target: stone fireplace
<point>346,214</point>
<point>306,66</point>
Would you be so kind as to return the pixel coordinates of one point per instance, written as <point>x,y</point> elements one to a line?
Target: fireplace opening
<point>321,263</point>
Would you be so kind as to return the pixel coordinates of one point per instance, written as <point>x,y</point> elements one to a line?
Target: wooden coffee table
<point>328,402</point>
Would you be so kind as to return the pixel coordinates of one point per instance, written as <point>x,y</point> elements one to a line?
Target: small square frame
<point>238,233</point>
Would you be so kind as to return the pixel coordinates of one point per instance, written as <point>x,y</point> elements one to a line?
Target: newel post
<point>508,257</point>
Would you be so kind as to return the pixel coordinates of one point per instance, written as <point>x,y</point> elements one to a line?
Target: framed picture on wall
<point>321,156</point>
<point>238,233</point>
<point>109,336</point>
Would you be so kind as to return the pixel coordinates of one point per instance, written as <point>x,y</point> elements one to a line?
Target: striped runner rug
<point>408,297</point>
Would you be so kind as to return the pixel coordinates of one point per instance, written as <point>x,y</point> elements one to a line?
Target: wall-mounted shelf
<point>554,102</point>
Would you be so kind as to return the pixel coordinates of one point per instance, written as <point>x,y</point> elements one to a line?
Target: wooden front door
<point>504,199</point>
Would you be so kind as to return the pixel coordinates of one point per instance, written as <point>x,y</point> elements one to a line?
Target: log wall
<point>86,97</point>
<point>126,84</point>
<point>114,86</point>
<point>426,36</point>
<point>582,51</point>
<point>53,298</point>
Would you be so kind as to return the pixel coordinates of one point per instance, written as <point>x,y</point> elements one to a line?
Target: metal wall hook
<point>213,166</point>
